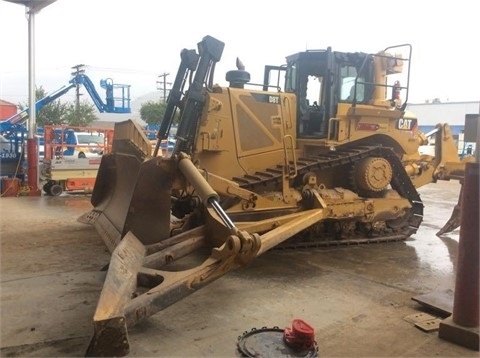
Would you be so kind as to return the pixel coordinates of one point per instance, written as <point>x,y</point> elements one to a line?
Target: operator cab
<point>322,80</point>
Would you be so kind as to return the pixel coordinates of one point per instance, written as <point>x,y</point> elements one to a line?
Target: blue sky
<point>135,41</point>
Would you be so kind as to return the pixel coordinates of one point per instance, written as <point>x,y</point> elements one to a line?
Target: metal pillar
<point>462,326</point>
<point>32,150</point>
<point>31,8</point>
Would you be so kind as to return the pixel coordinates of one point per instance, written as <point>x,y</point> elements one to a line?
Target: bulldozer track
<point>400,182</point>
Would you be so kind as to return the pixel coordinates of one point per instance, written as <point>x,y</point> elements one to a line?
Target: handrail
<point>294,158</point>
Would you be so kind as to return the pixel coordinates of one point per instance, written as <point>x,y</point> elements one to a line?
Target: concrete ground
<point>357,298</point>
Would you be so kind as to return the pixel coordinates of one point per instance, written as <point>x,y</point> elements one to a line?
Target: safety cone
<point>462,326</point>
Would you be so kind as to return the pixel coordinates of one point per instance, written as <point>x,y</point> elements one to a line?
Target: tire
<point>82,155</point>
<point>46,187</point>
<point>56,190</point>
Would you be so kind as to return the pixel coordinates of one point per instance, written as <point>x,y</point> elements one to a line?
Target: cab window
<point>347,85</point>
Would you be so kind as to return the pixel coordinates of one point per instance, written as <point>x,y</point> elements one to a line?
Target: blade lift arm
<point>144,279</point>
<point>138,283</point>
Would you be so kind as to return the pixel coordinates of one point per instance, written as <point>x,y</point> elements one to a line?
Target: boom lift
<point>271,165</point>
<point>14,130</point>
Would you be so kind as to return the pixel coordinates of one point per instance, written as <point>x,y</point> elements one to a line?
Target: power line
<point>121,70</point>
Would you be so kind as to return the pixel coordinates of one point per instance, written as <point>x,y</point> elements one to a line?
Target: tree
<point>81,115</point>
<point>56,112</point>
<point>52,113</point>
<point>152,111</point>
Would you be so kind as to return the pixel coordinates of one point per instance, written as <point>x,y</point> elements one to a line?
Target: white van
<point>89,144</point>
<point>83,144</point>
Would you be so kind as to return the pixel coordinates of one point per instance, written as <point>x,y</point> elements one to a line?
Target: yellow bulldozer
<point>323,152</point>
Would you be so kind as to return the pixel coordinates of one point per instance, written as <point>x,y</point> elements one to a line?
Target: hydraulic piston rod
<point>204,190</point>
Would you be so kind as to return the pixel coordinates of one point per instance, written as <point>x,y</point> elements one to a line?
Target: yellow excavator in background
<point>323,152</point>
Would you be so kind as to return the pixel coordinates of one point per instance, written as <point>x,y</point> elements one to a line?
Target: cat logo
<point>405,124</point>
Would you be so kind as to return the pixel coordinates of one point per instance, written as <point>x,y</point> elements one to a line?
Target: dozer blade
<point>130,192</point>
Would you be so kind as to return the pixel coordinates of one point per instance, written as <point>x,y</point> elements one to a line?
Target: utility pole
<point>79,69</point>
<point>164,83</point>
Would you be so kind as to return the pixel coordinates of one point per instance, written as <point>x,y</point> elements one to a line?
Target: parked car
<point>82,144</point>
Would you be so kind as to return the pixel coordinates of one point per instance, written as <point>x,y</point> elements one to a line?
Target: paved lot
<point>355,297</point>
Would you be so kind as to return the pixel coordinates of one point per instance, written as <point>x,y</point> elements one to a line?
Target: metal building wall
<point>7,109</point>
<point>453,113</point>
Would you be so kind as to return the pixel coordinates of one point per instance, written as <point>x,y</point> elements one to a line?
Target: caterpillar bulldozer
<point>323,152</point>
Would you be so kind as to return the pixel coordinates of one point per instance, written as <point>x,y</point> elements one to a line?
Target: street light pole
<point>31,73</point>
<point>32,152</point>
<point>31,8</point>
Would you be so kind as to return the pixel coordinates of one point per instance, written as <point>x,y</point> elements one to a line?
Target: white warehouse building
<point>453,113</point>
